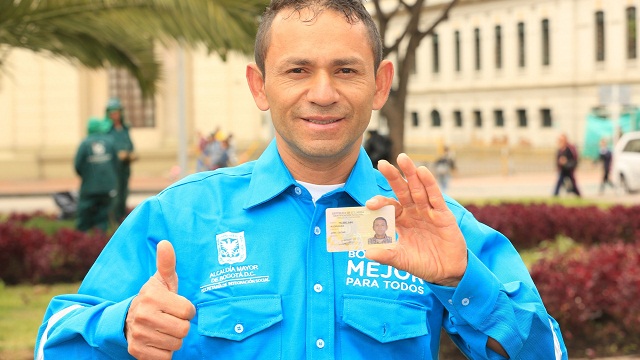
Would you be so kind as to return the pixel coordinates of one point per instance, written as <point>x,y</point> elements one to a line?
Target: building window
<point>499,118</point>
<point>545,114</point>
<point>138,111</point>
<point>435,119</point>
<point>522,118</point>
<point>477,115</point>
<point>457,118</point>
<point>476,37</point>
<point>545,43</point>
<point>521,45</point>
<point>600,36</point>
<point>436,54</point>
<point>632,34</point>
<point>457,49</point>
<point>498,48</point>
<point>415,119</point>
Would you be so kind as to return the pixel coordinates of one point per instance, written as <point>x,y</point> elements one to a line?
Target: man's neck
<point>320,171</point>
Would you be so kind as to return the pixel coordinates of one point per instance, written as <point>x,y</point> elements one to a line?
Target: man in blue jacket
<point>245,273</point>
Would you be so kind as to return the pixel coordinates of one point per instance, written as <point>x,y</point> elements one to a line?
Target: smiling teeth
<point>320,122</point>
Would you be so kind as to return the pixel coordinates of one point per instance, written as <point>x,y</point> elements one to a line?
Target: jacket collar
<point>271,177</point>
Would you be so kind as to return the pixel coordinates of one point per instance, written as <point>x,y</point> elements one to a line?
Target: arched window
<point>435,119</point>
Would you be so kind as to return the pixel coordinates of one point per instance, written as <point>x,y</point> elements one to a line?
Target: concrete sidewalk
<point>23,188</point>
<point>32,195</point>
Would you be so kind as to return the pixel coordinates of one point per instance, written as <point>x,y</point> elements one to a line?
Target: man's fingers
<point>397,182</point>
<point>417,187</point>
<point>434,195</point>
<point>166,265</point>
<point>379,201</point>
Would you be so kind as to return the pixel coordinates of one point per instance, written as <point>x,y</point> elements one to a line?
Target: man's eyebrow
<point>296,61</point>
<point>348,61</point>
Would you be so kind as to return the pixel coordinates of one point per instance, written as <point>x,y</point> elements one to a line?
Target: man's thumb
<point>166,264</point>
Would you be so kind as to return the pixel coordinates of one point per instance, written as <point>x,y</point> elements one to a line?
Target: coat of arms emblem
<point>231,248</point>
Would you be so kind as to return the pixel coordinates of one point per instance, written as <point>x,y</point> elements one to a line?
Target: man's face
<point>320,84</point>
<point>115,115</point>
<point>380,227</point>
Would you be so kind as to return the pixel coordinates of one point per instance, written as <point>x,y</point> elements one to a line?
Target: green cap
<point>97,125</point>
<point>114,104</point>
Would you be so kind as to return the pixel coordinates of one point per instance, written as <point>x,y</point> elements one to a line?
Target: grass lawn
<point>21,310</point>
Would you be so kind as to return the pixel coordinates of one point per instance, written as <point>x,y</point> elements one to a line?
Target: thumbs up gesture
<point>158,318</point>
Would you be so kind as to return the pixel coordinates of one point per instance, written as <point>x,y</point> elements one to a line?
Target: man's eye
<point>296,71</point>
<point>347,71</point>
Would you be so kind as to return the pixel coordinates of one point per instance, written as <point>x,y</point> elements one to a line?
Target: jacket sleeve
<point>79,159</point>
<point>90,324</point>
<point>497,298</point>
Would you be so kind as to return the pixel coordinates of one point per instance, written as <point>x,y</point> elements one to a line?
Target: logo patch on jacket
<point>231,248</point>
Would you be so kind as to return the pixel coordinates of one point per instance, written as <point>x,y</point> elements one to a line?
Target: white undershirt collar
<point>317,191</point>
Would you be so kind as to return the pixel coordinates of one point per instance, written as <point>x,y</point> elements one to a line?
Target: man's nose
<point>322,90</point>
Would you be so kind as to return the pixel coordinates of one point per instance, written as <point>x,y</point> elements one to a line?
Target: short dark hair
<point>380,218</point>
<point>353,11</point>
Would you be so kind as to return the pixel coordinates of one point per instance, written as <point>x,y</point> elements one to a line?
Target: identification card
<point>358,228</point>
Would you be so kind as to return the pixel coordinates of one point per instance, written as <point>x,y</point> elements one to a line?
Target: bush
<point>29,254</point>
<point>528,225</point>
<point>593,293</point>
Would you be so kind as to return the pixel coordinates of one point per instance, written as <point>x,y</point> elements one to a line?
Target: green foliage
<point>21,311</point>
<point>121,33</point>
<point>49,226</point>
<point>548,249</point>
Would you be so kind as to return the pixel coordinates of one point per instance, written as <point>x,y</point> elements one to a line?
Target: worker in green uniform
<point>124,147</point>
<point>96,163</point>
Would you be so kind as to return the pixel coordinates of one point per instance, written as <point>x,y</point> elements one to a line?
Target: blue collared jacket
<point>251,256</point>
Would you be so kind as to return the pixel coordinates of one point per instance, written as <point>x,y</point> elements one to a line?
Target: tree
<point>404,47</point>
<point>122,33</point>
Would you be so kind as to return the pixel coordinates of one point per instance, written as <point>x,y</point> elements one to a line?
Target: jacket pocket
<point>241,328</point>
<point>383,328</point>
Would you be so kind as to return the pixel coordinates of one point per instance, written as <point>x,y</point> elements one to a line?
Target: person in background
<point>378,147</point>
<point>566,163</point>
<point>124,146</point>
<point>606,157</point>
<point>233,263</point>
<point>444,166</point>
<point>206,144</point>
<point>96,163</point>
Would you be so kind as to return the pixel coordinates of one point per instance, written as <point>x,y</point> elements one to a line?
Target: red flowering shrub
<point>594,294</point>
<point>16,243</point>
<point>30,255</point>
<point>66,256</point>
<point>527,225</point>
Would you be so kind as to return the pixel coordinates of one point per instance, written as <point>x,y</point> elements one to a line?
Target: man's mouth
<point>321,121</point>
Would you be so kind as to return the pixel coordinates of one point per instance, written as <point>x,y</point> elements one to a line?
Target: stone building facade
<point>500,75</point>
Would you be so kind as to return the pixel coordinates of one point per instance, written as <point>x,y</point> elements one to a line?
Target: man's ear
<point>384,78</point>
<point>255,79</point>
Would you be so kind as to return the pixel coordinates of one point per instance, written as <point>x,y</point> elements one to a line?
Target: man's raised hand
<point>158,318</point>
<point>430,244</point>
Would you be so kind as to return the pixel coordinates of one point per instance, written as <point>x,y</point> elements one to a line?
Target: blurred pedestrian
<point>444,167</point>
<point>96,163</point>
<point>606,157</point>
<point>124,147</point>
<point>566,163</point>
<point>205,145</point>
<point>217,152</point>
<point>378,147</point>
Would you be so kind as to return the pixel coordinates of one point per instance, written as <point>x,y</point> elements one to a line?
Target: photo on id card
<point>358,228</point>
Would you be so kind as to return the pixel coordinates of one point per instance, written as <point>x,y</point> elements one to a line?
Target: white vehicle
<point>625,171</point>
